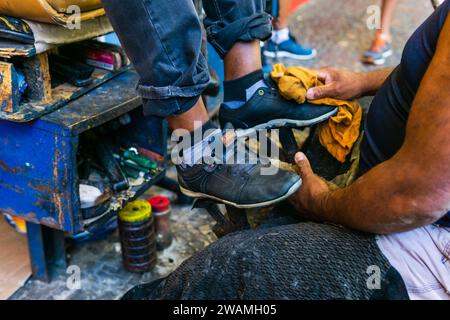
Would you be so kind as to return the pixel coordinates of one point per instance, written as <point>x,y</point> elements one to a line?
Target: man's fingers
<point>303,163</point>
<point>320,92</point>
<point>322,74</point>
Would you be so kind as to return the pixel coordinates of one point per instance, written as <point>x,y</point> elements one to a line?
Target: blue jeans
<point>163,40</point>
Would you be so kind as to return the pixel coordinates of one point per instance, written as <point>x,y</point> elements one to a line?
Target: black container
<point>138,243</point>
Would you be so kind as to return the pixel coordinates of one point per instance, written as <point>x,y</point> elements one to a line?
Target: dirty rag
<point>340,132</point>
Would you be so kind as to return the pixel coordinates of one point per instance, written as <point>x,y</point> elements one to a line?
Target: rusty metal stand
<point>47,250</point>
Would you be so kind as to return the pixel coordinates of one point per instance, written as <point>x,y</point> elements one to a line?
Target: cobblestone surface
<point>102,274</point>
<point>338,30</point>
<point>100,262</point>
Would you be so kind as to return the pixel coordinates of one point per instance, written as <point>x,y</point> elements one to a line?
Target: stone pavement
<point>102,275</point>
<point>338,30</point>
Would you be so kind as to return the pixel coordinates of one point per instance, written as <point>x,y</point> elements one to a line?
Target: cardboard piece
<point>15,266</point>
<point>47,36</point>
<point>9,93</point>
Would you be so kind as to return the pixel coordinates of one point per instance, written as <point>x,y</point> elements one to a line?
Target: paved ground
<point>338,30</point>
<point>102,274</point>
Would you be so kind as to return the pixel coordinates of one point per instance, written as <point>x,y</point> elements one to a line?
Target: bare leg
<point>242,59</point>
<point>387,12</point>
<point>380,48</point>
<point>186,120</point>
<point>281,22</point>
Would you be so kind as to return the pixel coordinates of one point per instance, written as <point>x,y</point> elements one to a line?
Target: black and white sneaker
<point>238,183</point>
<point>267,109</point>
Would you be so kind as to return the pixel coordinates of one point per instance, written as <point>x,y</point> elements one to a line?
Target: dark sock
<point>206,126</point>
<point>193,153</point>
<point>235,90</point>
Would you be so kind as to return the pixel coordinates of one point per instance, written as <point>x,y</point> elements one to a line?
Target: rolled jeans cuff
<point>166,101</point>
<point>223,36</point>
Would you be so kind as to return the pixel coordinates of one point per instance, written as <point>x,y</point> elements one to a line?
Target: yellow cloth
<point>85,5</point>
<point>342,130</point>
<point>51,11</point>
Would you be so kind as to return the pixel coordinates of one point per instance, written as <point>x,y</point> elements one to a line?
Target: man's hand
<point>339,84</point>
<point>313,191</point>
<point>346,85</point>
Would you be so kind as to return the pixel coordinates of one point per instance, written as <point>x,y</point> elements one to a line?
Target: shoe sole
<point>379,61</point>
<point>285,54</point>
<point>201,195</point>
<point>285,123</point>
<point>387,54</point>
<point>280,123</point>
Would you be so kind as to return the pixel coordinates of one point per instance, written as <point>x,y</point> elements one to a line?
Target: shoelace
<point>271,86</point>
<point>233,168</point>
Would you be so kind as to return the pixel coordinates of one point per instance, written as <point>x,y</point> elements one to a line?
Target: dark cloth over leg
<point>296,261</point>
<point>163,40</point>
<point>230,21</point>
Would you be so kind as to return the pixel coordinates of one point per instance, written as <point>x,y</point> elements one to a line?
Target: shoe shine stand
<point>43,132</point>
<point>41,136</point>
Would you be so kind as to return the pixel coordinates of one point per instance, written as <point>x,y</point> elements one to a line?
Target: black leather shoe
<point>239,185</point>
<point>267,109</point>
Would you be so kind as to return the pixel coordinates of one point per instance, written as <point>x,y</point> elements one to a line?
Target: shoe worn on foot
<point>267,109</point>
<point>240,185</point>
<point>289,49</point>
<point>380,50</point>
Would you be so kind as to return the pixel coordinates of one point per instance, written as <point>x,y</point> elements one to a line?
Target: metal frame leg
<point>47,251</point>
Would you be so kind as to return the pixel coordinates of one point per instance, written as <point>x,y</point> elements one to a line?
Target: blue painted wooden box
<point>38,171</point>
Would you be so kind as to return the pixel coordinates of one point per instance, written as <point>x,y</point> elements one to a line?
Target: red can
<point>161,213</point>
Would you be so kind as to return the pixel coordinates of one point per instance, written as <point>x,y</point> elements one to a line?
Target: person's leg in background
<point>163,40</point>
<point>283,44</point>
<point>381,47</point>
<point>235,29</point>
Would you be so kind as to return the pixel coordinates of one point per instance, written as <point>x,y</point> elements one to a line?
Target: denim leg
<point>229,21</point>
<point>163,40</point>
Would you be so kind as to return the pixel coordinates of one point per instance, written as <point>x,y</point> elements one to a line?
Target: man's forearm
<point>347,85</point>
<point>385,200</point>
<point>411,189</point>
<point>372,81</point>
